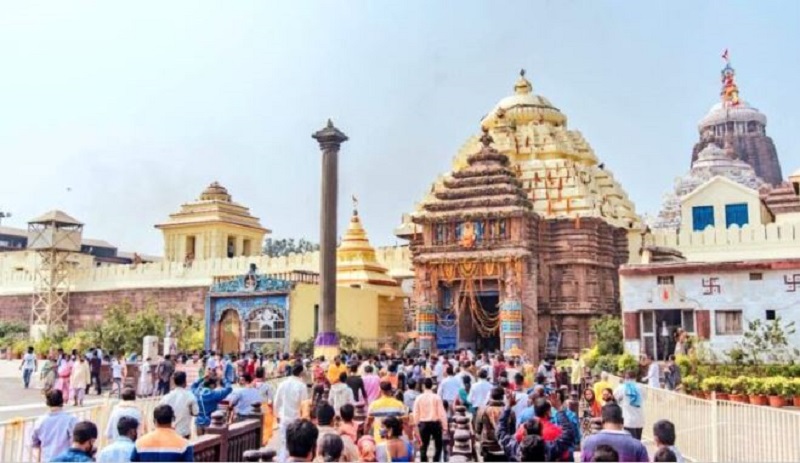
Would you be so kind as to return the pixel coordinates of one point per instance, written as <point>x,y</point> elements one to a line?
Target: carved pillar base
<point>511,325</point>
<point>327,345</point>
<point>426,328</point>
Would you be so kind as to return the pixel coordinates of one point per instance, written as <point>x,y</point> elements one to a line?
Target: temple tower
<point>212,227</point>
<point>54,236</point>
<point>739,129</point>
<point>330,139</point>
<point>583,229</point>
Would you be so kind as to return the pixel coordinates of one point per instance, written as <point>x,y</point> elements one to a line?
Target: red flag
<point>725,55</point>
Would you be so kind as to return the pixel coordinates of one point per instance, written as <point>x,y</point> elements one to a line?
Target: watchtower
<point>53,236</point>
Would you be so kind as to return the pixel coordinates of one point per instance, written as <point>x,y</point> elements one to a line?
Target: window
<point>665,280</point>
<point>702,217</point>
<point>756,276</point>
<point>246,248</point>
<point>266,324</point>
<point>231,249</point>
<point>728,321</point>
<point>770,315</point>
<point>736,214</point>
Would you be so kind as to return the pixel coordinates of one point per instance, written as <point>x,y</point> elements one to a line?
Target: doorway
<point>230,332</point>
<point>468,333</point>
<point>659,328</point>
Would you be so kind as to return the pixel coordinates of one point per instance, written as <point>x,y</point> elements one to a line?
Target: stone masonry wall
<point>88,307</point>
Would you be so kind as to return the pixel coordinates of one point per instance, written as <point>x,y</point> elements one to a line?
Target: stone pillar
<point>330,140</point>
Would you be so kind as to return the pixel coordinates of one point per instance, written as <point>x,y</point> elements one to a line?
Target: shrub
<point>590,357</point>
<point>606,363</point>
<point>684,364</point>
<point>740,385</point>
<point>608,331</point>
<point>626,363</point>
<point>757,386</point>
<point>690,384</point>
<point>710,384</point>
<point>793,387</point>
<point>773,385</point>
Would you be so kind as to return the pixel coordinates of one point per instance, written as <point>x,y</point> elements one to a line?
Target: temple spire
<point>730,91</point>
<point>522,86</point>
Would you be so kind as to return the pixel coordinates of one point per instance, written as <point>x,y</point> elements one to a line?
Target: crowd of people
<point>370,408</point>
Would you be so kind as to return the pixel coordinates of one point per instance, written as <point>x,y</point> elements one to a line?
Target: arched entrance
<point>230,332</point>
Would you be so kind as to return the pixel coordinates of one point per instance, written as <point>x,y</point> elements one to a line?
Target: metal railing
<point>721,430</point>
<point>16,434</point>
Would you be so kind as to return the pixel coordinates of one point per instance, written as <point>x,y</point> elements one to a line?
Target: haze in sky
<point>118,113</point>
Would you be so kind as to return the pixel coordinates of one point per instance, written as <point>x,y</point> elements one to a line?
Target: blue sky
<point>136,107</point>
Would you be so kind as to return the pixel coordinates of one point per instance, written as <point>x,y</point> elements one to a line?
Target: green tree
<point>124,327</point>
<point>285,246</point>
<point>608,332</point>
<point>765,342</point>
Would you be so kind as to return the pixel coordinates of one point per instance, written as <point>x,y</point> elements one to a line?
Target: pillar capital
<point>329,137</point>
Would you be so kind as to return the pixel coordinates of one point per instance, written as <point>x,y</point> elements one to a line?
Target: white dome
<point>743,112</point>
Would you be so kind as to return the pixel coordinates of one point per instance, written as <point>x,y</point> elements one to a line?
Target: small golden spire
<point>522,86</point>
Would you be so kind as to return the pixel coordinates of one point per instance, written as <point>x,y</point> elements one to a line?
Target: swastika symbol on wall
<point>712,286</point>
<point>793,283</point>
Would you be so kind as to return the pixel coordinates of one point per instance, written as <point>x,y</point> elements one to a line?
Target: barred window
<point>728,321</point>
<point>258,329</point>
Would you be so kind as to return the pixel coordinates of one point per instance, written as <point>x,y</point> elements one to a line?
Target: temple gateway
<point>519,246</point>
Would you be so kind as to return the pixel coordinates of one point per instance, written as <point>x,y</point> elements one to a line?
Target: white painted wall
<point>737,293</point>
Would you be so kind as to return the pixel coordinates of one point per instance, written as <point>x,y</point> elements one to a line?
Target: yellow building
<point>258,309</point>
<point>212,227</point>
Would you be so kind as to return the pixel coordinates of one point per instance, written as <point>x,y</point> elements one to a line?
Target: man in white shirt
<point>288,400</point>
<point>449,387</point>
<point>479,393</point>
<point>629,397</point>
<point>653,378</point>
<point>183,403</point>
<point>126,407</point>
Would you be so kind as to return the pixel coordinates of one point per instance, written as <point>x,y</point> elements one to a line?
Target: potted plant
<point>709,385</point>
<point>691,385</point>
<point>739,389</point>
<point>756,391</point>
<point>724,388</point>
<point>773,387</point>
<point>793,390</point>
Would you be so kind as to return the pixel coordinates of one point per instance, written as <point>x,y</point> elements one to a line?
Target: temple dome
<point>523,107</point>
<point>356,263</point>
<point>215,192</point>
<point>720,113</point>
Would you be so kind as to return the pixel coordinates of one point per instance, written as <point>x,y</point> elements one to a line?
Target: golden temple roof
<point>356,263</point>
<point>214,206</point>
<point>558,168</point>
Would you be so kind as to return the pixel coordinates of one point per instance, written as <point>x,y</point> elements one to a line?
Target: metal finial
<point>522,72</point>
<point>355,204</point>
<point>330,123</point>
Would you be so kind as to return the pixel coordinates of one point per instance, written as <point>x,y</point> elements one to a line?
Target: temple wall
<point>88,307</point>
<point>17,272</point>
<point>770,241</point>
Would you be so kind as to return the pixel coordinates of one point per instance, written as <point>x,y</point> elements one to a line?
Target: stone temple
<point>740,129</point>
<point>518,247</point>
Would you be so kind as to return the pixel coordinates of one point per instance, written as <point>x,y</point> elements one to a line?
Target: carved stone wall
<point>578,280</point>
<point>755,149</point>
